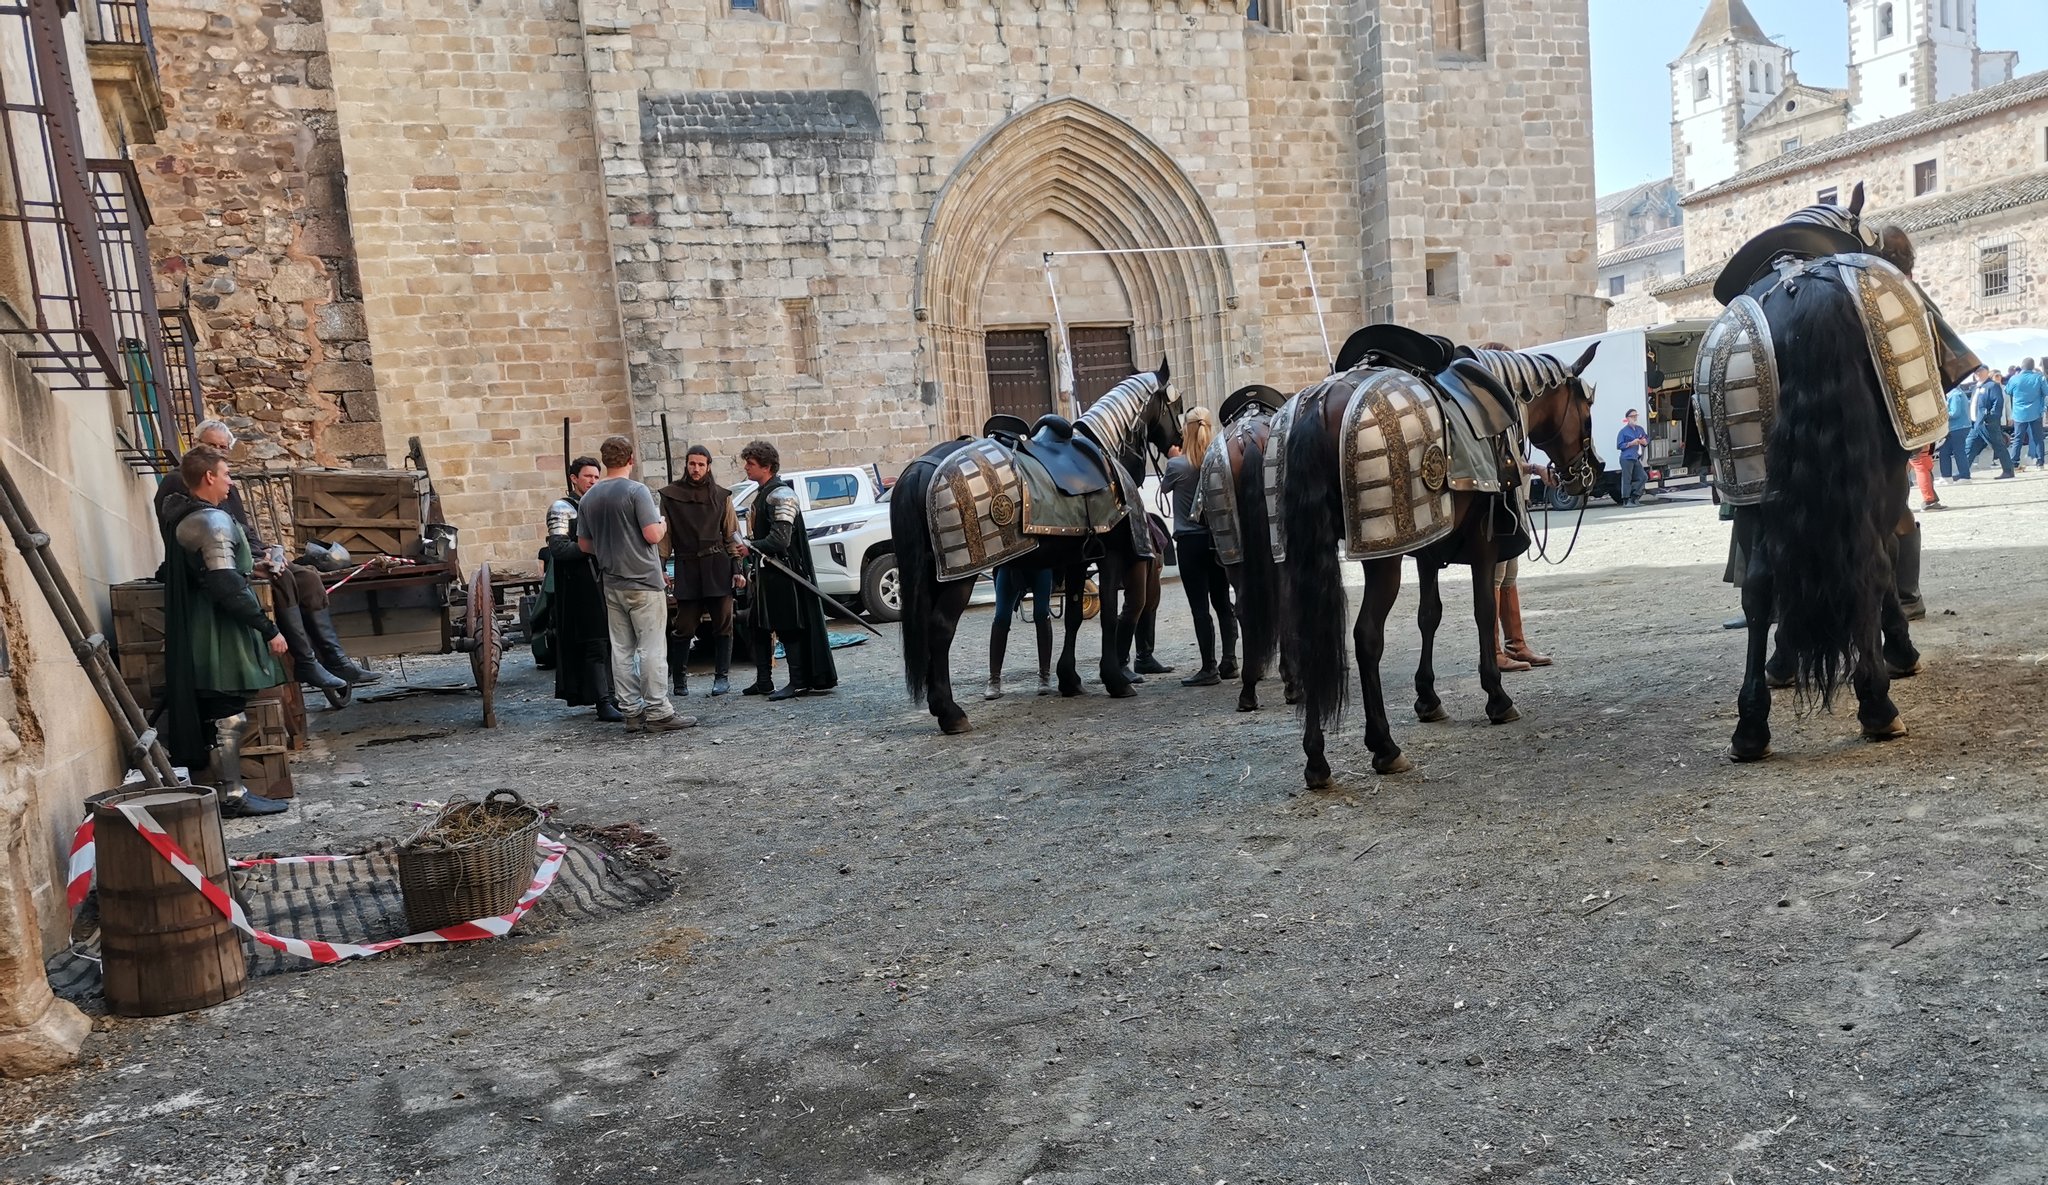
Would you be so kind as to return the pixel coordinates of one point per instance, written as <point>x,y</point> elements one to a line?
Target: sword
<point>785,569</point>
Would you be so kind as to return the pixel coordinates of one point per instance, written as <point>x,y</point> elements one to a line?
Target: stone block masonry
<point>475,194</point>
<point>252,235</point>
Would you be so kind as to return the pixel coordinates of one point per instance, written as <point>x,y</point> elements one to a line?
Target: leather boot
<point>998,643</point>
<point>1502,659</point>
<point>320,623</point>
<point>721,657</point>
<point>306,666</point>
<point>235,798</point>
<point>607,702</point>
<point>1508,602</point>
<point>1148,626</point>
<point>1906,575</point>
<point>764,665</point>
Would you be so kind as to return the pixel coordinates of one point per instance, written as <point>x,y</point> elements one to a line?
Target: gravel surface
<point>1113,942</point>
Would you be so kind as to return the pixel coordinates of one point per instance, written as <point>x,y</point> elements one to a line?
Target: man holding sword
<point>784,595</point>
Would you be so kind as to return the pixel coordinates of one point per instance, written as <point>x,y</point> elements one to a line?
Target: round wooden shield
<point>486,648</point>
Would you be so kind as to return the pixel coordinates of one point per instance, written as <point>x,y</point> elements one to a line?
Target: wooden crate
<point>402,612</point>
<point>269,724</point>
<point>268,774</point>
<point>369,511</point>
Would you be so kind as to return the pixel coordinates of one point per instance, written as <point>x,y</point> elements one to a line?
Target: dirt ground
<point>1098,942</point>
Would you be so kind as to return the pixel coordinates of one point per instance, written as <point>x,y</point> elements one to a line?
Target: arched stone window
<point>1770,80</point>
<point>1948,14</point>
<point>1884,21</point>
<point>1702,85</point>
<point>1756,74</point>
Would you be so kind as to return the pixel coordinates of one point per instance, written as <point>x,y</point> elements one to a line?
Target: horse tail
<point>917,570</point>
<point>1259,599</point>
<point>1836,488</point>
<point>1312,510</point>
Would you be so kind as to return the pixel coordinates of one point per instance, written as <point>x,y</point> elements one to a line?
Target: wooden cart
<point>406,595</point>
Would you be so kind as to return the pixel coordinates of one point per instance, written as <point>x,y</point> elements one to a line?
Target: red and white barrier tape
<point>83,850</point>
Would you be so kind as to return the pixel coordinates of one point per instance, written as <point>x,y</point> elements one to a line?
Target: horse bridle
<point>1577,479</point>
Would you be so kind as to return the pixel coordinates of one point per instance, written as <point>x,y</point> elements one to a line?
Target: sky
<point>1634,42</point>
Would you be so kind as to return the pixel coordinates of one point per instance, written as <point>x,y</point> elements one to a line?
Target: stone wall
<point>1488,168</point>
<point>252,232</point>
<point>481,241</point>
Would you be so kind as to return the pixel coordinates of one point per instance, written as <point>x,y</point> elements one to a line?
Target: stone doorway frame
<point>1074,159</point>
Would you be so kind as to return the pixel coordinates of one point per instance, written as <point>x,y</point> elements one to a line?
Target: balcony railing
<point>122,22</point>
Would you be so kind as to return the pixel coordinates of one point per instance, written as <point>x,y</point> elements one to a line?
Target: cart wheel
<point>486,648</point>
<point>1091,600</point>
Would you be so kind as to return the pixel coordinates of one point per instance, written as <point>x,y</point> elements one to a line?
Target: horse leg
<point>1077,587</point>
<point>1253,670</point>
<point>1897,659</point>
<point>1369,641</point>
<point>1119,629</point>
<point>947,610</point>
<point>1752,740</point>
<point>1428,708</point>
<point>1500,708</point>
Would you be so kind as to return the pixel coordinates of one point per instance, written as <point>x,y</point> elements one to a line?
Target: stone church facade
<point>826,222</point>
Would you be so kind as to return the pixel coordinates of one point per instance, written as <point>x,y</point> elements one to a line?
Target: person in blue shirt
<point>2028,391</point>
<point>1990,430</point>
<point>1631,442</point>
<point>1955,459</point>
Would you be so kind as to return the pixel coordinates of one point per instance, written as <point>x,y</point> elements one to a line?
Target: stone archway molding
<point>1123,191</point>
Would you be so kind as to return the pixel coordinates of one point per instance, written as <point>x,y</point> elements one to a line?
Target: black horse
<point>1140,412</point>
<point>1234,503</point>
<point>1556,414</point>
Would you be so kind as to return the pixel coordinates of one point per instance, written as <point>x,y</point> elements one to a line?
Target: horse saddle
<point>1486,407</point>
<point>1074,462</point>
<point>1395,345</point>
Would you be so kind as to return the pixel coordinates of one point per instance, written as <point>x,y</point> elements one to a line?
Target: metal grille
<point>1994,271</point>
<point>122,218</point>
<point>182,389</point>
<point>48,235</point>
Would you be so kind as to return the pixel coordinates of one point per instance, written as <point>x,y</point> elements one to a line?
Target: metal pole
<point>1061,350</point>
<point>668,455</point>
<point>567,482</point>
<point>1329,359</point>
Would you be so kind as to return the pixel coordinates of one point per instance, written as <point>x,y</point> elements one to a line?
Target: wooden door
<point>1019,373</point>
<point>1102,359</point>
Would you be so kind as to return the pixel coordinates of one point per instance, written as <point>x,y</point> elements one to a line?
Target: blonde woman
<point>1201,577</point>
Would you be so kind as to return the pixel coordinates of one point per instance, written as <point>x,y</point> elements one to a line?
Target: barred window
<point>1925,176</point>
<point>1994,271</point>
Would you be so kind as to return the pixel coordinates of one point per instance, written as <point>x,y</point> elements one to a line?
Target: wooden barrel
<point>164,948</point>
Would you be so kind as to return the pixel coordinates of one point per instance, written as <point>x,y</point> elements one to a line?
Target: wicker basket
<point>445,883</point>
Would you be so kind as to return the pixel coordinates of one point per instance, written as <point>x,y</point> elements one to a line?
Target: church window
<point>1791,145</point>
<point>1440,275</point>
<point>1756,75</point>
<point>1770,80</point>
<point>1925,176</point>
<point>746,5</point>
<point>1702,85</point>
<point>800,318</point>
<point>1270,14</point>
<point>1460,29</point>
<point>1616,285</point>
<point>1948,14</point>
<point>1994,271</point>
<point>1831,196</point>
<point>1884,21</point>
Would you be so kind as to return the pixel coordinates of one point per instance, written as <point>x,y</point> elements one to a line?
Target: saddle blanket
<point>989,505</point>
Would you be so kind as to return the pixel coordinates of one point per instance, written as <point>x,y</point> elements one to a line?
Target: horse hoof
<point>1124,692</point>
<point>1741,756</point>
<point>1319,782</point>
<point>953,728</point>
<point>1292,698</point>
<point>1433,715</point>
<point>1891,730</point>
<point>1778,682</point>
<point>1247,704</point>
<point>1399,765</point>
<point>1508,717</point>
<point>1892,672</point>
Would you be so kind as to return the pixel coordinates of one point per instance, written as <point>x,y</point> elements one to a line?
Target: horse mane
<point>1524,374</point>
<point>1112,420</point>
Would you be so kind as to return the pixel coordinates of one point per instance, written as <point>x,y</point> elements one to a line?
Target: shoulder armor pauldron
<point>211,535</point>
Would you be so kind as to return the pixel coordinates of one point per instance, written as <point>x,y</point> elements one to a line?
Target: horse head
<point>1559,420</point>
<point>1161,418</point>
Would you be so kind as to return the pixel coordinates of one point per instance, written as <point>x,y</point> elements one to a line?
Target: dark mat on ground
<point>359,901</point>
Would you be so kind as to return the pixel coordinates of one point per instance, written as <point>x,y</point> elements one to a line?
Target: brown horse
<point>1556,416</point>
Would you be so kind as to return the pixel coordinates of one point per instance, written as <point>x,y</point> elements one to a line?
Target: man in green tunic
<point>219,647</point>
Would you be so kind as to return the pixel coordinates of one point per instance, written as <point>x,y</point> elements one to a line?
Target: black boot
<point>1205,640</point>
<point>306,665</point>
<point>1148,664</point>
<point>601,682</point>
<point>998,643</point>
<point>320,623</point>
<point>721,651</point>
<point>764,665</point>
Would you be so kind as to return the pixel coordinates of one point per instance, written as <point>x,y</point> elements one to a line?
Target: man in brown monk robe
<point>702,545</point>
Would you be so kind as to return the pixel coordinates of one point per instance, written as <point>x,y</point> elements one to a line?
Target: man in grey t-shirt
<point>620,524</point>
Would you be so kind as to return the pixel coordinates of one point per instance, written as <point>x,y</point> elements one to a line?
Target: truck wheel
<point>881,588</point>
<point>1559,500</point>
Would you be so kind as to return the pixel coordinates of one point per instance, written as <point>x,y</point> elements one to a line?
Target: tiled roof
<point>1622,199</point>
<point>1668,239</point>
<point>1723,20</point>
<point>1961,109</point>
<point>1928,213</point>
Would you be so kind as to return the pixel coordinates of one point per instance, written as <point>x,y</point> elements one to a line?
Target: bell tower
<point>1909,54</point>
<point>1728,73</point>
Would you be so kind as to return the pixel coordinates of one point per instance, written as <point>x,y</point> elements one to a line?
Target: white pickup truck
<point>846,513</point>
